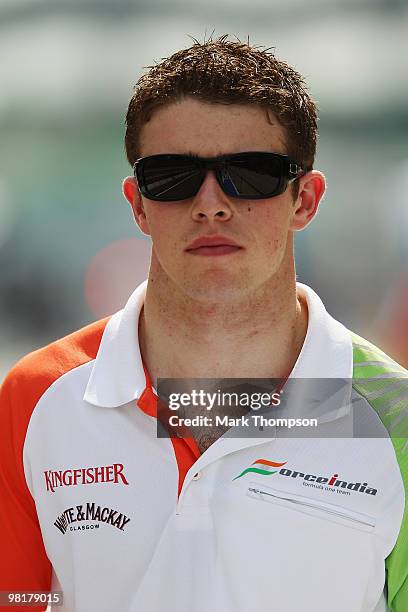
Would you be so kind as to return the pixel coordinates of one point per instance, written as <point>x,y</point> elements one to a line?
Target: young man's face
<point>261,228</point>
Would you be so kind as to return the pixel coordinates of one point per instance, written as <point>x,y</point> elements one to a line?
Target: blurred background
<point>69,250</point>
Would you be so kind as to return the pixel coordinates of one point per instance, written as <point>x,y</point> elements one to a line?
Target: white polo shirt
<point>93,503</point>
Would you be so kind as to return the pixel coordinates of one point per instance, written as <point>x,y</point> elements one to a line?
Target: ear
<point>311,191</point>
<point>131,192</point>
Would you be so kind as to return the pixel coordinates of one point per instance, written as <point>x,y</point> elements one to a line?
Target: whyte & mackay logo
<point>82,476</point>
<point>90,512</point>
<point>331,483</point>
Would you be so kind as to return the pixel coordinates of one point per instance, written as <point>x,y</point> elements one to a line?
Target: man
<point>222,139</point>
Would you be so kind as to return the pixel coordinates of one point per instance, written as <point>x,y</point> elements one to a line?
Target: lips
<point>213,245</point>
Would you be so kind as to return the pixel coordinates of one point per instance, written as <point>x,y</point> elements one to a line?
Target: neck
<point>259,335</point>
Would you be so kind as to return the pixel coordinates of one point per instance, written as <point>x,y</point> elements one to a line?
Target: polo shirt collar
<point>327,351</point>
<point>118,376</point>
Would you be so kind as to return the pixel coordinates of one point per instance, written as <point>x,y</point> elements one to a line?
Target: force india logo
<point>264,467</point>
<point>90,512</point>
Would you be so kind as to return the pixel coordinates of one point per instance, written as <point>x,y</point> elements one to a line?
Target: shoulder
<point>20,393</point>
<point>369,360</point>
<point>35,372</point>
<point>384,384</point>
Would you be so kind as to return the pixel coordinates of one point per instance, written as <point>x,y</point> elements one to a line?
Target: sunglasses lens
<point>170,178</point>
<point>252,176</point>
<point>173,177</point>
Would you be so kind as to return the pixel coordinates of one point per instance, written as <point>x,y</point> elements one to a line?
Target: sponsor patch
<point>83,476</point>
<point>73,518</point>
<point>328,483</point>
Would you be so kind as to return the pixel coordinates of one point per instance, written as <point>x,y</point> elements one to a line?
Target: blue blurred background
<point>69,249</point>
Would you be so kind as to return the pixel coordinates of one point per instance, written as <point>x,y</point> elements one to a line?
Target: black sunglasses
<point>251,176</point>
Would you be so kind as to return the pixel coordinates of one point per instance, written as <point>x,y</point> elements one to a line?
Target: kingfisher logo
<point>332,483</point>
<point>82,476</point>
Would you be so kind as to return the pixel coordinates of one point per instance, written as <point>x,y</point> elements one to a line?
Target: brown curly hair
<point>227,72</point>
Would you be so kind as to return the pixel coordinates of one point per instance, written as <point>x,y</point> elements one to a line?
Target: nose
<point>211,202</point>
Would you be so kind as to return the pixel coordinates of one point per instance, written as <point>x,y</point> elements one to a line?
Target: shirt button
<point>197,476</point>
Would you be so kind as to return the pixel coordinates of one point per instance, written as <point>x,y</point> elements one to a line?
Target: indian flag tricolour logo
<point>262,466</point>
